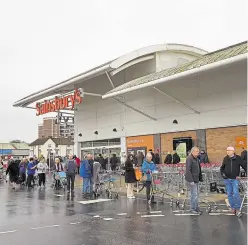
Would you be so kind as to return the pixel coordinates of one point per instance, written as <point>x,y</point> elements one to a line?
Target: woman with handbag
<point>130,178</point>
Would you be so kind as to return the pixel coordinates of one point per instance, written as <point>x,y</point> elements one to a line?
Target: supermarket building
<point>159,97</point>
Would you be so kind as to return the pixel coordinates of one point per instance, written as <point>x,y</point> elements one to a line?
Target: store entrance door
<point>105,152</point>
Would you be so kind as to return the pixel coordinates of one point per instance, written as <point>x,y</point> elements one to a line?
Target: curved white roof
<point>107,67</point>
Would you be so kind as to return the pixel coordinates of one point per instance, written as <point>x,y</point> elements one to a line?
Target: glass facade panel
<point>86,144</point>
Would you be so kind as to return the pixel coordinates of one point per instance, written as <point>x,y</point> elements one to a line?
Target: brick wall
<point>167,140</point>
<point>219,138</point>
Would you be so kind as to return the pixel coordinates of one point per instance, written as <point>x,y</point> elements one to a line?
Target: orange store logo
<point>59,103</point>
<point>241,142</point>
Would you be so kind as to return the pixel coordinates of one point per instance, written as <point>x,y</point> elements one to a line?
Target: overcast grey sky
<point>44,42</point>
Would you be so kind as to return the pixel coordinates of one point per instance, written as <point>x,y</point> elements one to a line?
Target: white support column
<point>177,100</point>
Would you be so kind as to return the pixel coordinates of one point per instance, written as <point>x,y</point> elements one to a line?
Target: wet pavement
<point>44,217</point>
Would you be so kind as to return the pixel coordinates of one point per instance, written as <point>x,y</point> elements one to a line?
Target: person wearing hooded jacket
<point>13,171</point>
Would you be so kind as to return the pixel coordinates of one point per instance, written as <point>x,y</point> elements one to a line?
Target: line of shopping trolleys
<point>169,186</point>
<point>168,183</point>
<point>105,182</point>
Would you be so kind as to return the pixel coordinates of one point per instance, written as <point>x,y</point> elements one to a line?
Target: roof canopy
<point>110,66</point>
<point>209,61</point>
<point>57,141</point>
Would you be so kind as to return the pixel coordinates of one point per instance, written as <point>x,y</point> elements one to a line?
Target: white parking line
<point>94,201</point>
<point>150,212</point>
<point>76,223</point>
<point>122,214</point>
<point>189,214</point>
<point>107,219</point>
<point>43,227</point>
<point>229,214</point>
<point>152,215</point>
<point>6,232</point>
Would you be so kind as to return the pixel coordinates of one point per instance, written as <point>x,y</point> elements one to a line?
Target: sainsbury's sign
<point>59,103</point>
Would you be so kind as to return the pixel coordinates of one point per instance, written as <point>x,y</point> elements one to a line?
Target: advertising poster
<point>181,150</point>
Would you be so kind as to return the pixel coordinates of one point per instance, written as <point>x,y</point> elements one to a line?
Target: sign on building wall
<point>59,103</point>
<point>241,142</point>
<point>140,143</point>
<point>5,152</point>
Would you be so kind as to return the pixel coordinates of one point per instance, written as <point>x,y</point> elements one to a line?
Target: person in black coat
<point>113,162</point>
<point>168,159</point>
<point>244,155</point>
<point>176,158</point>
<point>130,178</point>
<point>13,171</point>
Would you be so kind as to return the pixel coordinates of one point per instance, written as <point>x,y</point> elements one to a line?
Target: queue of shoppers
<point>25,171</point>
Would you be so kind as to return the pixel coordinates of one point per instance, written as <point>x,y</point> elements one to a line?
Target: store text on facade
<point>59,103</point>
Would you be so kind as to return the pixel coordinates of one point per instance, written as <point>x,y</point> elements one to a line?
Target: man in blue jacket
<point>31,171</point>
<point>148,167</point>
<point>86,173</point>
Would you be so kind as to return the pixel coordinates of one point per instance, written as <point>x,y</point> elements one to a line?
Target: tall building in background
<point>56,127</point>
<point>49,128</point>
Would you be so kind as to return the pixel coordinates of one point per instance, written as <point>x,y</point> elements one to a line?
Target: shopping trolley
<point>244,191</point>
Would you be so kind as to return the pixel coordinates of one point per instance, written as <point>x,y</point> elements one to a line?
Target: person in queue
<point>203,157</point>
<point>70,169</point>
<point>140,158</point>
<point>193,176</point>
<point>13,171</point>
<point>153,155</point>
<point>230,170</point>
<point>78,163</point>
<point>175,158</point>
<point>130,178</point>
<point>86,169</point>
<point>168,158</point>
<point>114,162</point>
<point>42,168</point>
<point>31,172</point>
<point>58,167</point>
<point>244,155</point>
<point>22,170</point>
<point>148,167</point>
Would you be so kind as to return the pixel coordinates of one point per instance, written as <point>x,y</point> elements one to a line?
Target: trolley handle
<point>241,178</point>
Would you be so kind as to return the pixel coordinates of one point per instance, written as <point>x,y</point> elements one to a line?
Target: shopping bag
<point>138,174</point>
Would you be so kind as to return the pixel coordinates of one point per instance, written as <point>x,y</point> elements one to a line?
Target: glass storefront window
<point>86,144</point>
<point>100,143</point>
<point>116,141</point>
